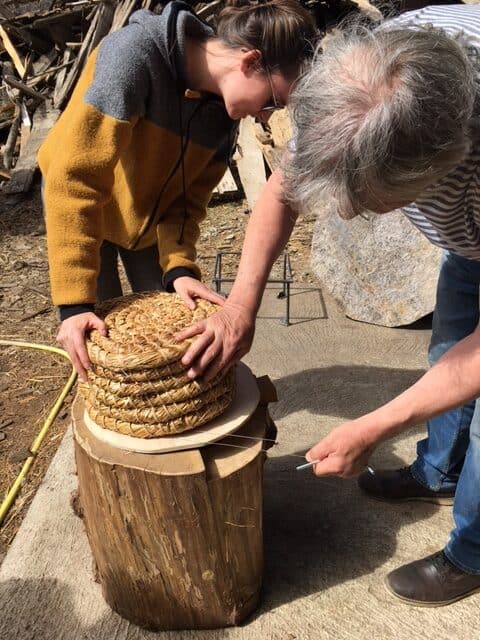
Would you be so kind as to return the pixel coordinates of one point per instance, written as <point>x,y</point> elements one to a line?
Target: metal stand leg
<point>285,281</point>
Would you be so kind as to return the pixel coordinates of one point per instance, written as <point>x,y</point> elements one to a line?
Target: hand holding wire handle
<point>307,465</point>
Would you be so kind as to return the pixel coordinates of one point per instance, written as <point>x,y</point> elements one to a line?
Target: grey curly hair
<point>381,115</point>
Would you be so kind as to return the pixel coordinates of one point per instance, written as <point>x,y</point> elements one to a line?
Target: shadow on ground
<point>321,532</point>
<point>49,614</point>
<point>346,391</point>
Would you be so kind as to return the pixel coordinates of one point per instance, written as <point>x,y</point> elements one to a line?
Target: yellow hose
<point>14,489</point>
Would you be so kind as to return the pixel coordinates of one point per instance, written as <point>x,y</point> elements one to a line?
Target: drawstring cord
<point>184,138</point>
<point>184,188</point>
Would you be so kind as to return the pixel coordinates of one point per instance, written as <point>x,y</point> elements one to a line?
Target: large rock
<point>380,270</point>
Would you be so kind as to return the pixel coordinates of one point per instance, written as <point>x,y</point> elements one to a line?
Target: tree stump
<point>177,537</point>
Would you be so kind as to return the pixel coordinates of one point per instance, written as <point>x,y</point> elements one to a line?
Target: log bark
<point>176,537</point>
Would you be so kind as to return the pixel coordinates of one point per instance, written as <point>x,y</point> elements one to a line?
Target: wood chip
<point>19,456</point>
<point>36,313</point>
<point>12,52</point>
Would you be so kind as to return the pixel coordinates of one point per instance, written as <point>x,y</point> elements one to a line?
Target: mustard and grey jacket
<point>134,157</point>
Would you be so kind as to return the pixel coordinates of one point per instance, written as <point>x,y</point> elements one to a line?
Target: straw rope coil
<point>137,384</point>
<point>142,400</point>
<point>177,425</point>
<point>162,385</point>
<point>140,375</point>
<point>164,413</point>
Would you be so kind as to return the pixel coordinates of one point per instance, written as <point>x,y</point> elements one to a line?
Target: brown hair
<point>283,30</point>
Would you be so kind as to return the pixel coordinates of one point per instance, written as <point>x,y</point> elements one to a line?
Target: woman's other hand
<point>71,336</point>
<point>190,288</point>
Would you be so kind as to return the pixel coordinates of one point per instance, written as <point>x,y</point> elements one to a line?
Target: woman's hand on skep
<point>190,288</point>
<point>71,336</point>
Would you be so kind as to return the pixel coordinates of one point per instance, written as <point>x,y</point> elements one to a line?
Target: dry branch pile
<point>45,48</point>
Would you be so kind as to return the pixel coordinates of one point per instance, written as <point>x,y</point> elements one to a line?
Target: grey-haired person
<point>386,119</point>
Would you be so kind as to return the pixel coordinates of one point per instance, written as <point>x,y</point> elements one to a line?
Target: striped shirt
<point>448,212</point>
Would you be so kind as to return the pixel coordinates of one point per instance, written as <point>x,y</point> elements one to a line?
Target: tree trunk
<point>177,537</point>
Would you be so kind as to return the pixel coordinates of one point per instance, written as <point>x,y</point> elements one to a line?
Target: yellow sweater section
<point>102,180</point>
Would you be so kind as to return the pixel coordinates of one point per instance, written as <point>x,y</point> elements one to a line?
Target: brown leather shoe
<point>431,582</point>
<point>399,484</point>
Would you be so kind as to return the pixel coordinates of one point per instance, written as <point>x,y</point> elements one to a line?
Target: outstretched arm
<point>452,381</point>
<point>226,336</point>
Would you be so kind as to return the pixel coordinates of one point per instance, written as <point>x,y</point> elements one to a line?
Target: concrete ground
<point>327,547</point>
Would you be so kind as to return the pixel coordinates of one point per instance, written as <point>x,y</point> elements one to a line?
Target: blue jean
<point>450,456</point>
<point>142,268</point>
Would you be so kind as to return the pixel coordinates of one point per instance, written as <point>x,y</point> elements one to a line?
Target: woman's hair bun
<point>283,30</point>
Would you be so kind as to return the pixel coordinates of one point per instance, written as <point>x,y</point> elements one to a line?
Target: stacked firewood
<point>43,48</point>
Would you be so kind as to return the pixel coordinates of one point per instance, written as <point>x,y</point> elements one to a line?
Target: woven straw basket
<point>136,384</point>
